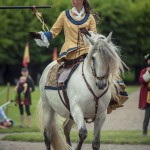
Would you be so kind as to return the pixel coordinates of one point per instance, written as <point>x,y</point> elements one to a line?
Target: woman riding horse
<point>80,16</point>
<point>74,49</point>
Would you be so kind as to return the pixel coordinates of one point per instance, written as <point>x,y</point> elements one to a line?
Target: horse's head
<point>104,60</point>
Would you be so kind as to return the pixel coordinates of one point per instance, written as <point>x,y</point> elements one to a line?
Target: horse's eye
<point>93,58</point>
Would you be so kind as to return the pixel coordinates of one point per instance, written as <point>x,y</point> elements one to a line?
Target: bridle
<point>94,70</point>
<point>95,74</point>
<point>96,98</point>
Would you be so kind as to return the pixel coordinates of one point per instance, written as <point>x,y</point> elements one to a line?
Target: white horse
<point>101,69</point>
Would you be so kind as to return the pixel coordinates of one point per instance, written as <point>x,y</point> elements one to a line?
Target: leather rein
<point>96,98</point>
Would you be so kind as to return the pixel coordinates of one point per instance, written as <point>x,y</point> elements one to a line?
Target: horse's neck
<point>87,68</point>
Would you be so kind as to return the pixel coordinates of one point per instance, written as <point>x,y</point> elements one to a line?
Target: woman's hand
<point>35,35</point>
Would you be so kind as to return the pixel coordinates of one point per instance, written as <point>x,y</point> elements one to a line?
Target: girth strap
<point>63,85</point>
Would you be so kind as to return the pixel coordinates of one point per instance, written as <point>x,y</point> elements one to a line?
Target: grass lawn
<point>13,111</point>
<point>107,137</point>
<point>33,134</point>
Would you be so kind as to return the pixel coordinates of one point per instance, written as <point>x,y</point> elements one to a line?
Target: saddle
<point>59,76</point>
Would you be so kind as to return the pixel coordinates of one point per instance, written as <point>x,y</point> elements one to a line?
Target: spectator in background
<point>27,102</point>
<point>144,101</point>
<point>21,90</point>
<point>4,121</point>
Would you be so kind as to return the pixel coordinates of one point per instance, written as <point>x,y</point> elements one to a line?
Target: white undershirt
<point>78,14</point>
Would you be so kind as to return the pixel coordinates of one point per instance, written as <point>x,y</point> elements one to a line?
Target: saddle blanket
<point>52,76</point>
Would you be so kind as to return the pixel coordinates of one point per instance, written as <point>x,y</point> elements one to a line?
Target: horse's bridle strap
<point>95,75</point>
<point>96,98</point>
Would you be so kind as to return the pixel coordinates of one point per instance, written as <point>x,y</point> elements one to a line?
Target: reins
<point>96,98</point>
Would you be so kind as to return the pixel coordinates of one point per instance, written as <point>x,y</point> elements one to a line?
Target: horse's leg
<point>67,128</point>
<point>78,117</point>
<point>48,117</point>
<point>98,123</point>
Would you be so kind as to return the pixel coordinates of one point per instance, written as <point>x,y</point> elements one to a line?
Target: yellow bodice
<point>73,46</point>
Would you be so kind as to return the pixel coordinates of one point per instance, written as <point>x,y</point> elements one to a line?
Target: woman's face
<point>77,3</point>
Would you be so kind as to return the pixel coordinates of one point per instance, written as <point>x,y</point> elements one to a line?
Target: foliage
<point>129,20</point>
<point>15,26</point>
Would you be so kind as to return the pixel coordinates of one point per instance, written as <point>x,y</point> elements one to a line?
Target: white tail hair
<point>57,139</point>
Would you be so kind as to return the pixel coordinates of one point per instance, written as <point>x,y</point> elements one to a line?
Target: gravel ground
<point>127,118</point>
<point>4,145</point>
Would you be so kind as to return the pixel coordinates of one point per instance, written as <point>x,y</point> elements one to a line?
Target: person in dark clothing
<point>144,99</point>
<point>25,73</point>
<point>22,90</point>
<point>27,102</point>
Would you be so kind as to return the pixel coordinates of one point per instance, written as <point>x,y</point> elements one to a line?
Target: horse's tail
<point>40,116</point>
<point>57,139</point>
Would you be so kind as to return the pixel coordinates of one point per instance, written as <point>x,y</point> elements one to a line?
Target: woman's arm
<point>93,25</point>
<point>56,28</point>
<point>42,38</point>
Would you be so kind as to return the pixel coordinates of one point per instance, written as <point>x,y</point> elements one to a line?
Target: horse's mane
<point>111,58</point>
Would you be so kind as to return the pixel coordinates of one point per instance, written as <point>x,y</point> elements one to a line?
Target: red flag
<point>55,54</point>
<point>26,57</point>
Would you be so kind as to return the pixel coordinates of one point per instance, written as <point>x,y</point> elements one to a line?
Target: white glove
<point>43,41</point>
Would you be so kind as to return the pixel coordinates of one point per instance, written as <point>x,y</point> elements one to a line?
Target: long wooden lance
<point>23,7</point>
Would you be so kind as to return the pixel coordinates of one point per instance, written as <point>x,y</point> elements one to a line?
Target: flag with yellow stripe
<point>26,57</point>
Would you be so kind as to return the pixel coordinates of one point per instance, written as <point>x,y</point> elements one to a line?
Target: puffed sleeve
<point>141,76</point>
<point>93,25</point>
<point>56,28</point>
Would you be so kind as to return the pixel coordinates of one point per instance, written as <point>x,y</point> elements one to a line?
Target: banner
<point>26,57</point>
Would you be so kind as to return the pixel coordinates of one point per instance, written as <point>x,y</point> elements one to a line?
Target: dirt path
<point>127,118</point>
<point>40,146</point>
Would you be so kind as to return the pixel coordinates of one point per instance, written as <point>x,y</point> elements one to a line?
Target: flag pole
<point>24,7</point>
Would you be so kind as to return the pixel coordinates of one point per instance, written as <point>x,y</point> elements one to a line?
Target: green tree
<point>129,20</point>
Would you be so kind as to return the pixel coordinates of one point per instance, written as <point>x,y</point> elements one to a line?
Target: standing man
<point>27,102</point>
<point>144,101</point>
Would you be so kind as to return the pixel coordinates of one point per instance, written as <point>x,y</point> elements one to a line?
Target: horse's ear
<point>108,39</point>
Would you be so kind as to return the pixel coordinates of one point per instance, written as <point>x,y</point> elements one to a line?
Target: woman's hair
<point>87,6</point>
<point>88,9</point>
